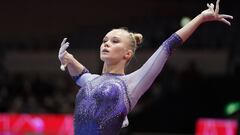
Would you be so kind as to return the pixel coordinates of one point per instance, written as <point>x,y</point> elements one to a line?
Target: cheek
<point>101,46</point>
<point>118,52</point>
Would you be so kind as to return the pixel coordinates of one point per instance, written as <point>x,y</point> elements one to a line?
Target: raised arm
<point>67,60</point>
<point>140,80</point>
<point>207,15</point>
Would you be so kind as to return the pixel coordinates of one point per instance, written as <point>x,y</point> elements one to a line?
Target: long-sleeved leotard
<point>104,101</point>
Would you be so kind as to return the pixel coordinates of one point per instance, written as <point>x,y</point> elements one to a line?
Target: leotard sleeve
<point>139,81</point>
<point>84,77</point>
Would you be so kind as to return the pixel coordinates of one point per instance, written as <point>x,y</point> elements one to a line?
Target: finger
<point>60,55</point>
<point>217,7</point>
<point>208,5</point>
<point>212,7</point>
<point>63,67</point>
<point>63,48</point>
<point>63,42</point>
<point>225,21</point>
<point>226,16</point>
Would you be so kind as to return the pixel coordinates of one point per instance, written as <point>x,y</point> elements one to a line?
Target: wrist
<point>201,19</point>
<point>71,59</point>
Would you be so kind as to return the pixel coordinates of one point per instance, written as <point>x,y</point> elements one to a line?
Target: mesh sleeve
<point>139,81</point>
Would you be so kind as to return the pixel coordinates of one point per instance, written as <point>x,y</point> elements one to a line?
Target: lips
<point>105,50</point>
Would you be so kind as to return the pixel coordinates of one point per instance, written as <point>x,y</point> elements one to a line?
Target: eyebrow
<point>105,37</point>
<point>112,37</point>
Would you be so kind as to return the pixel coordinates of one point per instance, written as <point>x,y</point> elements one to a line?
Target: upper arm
<point>140,80</point>
<point>84,77</point>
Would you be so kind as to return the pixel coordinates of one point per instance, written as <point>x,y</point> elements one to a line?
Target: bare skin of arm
<point>207,15</point>
<point>67,60</point>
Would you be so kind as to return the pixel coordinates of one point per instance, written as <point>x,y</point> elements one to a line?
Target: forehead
<point>117,33</point>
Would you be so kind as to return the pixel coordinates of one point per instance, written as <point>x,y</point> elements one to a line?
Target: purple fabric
<point>104,100</point>
<point>139,81</point>
<point>100,107</point>
<point>172,42</point>
<point>75,78</point>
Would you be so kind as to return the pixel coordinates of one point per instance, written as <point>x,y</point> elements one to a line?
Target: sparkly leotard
<point>104,101</point>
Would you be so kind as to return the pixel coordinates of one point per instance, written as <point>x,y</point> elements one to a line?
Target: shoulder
<point>85,77</point>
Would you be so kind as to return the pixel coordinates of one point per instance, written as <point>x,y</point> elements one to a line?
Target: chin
<point>103,58</point>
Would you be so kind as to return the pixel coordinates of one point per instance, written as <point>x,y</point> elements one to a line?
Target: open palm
<point>213,15</point>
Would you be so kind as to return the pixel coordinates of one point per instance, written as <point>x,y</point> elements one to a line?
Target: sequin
<point>103,101</point>
<point>172,42</point>
<point>99,107</point>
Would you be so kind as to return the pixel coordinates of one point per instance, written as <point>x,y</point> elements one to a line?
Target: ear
<point>128,54</point>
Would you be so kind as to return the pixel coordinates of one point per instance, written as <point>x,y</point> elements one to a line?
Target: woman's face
<point>115,47</point>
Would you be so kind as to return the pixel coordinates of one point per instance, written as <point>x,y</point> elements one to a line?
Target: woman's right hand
<point>63,55</point>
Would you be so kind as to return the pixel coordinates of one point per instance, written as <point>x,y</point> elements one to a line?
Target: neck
<point>118,68</point>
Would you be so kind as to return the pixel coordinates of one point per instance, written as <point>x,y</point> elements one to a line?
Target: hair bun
<point>138,38</point>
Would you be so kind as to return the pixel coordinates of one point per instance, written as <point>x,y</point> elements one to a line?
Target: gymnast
<point>104,101</point>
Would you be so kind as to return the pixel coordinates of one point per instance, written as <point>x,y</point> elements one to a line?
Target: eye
<point>115,40</point>
<point>105,40</point>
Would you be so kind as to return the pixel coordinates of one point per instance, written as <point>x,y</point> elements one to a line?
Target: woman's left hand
<point>213,15</point>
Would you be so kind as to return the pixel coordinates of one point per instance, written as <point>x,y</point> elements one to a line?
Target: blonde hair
<point>135,39</point>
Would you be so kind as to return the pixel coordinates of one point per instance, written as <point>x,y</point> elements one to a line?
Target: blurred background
<point>200,79</point>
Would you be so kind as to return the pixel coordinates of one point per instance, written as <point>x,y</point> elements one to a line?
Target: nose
<point>106,44</point>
